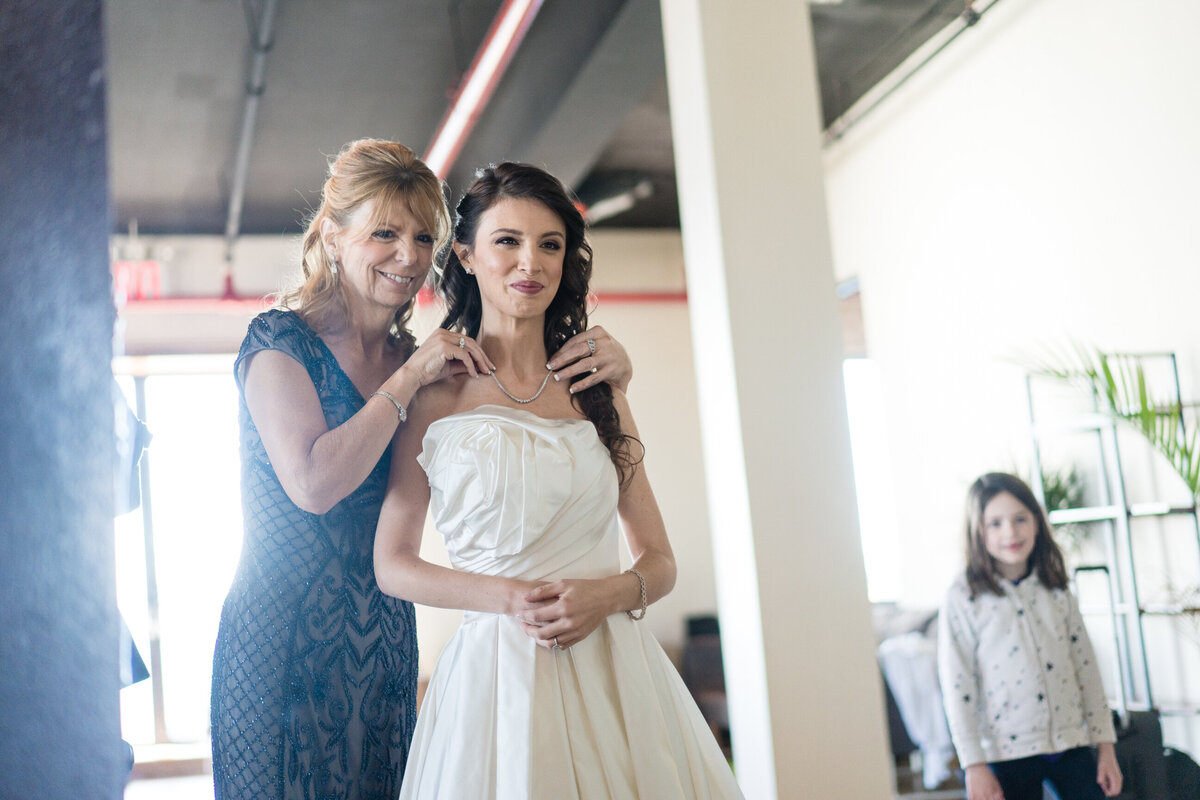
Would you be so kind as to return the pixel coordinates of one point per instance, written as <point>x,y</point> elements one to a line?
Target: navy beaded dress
<point>315,669</point>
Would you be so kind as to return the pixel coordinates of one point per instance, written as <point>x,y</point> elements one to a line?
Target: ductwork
<point>261,39</point>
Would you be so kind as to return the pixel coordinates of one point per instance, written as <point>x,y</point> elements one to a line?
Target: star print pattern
<point>1006,661</point>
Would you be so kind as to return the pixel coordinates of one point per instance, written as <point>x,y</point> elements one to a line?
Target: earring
<point>334,267</point>
<point>468,269</point>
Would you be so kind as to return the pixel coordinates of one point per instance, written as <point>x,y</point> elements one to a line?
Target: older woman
<point>314,675</point>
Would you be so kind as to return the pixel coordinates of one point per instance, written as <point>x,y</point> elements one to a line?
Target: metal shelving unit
<point>1112,518</point>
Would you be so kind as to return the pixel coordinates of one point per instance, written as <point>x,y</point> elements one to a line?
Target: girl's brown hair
<point>367,170</point>
<point>1046,559</point>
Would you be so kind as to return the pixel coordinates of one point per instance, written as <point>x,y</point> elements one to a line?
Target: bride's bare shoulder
<point>441,399</point>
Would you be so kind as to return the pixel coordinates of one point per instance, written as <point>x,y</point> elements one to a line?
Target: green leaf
<point>1121,385</point>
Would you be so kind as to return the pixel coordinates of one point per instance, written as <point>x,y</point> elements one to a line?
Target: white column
<point>806,706</point>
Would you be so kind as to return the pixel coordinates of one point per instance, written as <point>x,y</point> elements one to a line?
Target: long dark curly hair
<point>567,313</point>
<point>1046,559</point>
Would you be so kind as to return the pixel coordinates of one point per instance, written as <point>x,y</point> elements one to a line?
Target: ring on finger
<point>591,343</point>
<point>462,341</point>
<point>557,646</point>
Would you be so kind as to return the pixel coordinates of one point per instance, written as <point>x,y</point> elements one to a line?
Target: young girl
<point>1019,677</point>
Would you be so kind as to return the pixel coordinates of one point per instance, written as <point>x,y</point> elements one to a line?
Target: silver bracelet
<point>642,585</point>
<point>401,412</point>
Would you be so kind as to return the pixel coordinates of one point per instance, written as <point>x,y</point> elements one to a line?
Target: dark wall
<point>59,716</point>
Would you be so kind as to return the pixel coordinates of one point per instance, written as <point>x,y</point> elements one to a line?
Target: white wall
<point>1037,183</point>
<point>656,335</point>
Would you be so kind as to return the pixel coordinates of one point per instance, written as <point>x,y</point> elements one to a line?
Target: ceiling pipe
<point>973,11</point>
<point>261,40</point>
<point>618,203</point>
<point>252,305</point>
<point>503,38</point>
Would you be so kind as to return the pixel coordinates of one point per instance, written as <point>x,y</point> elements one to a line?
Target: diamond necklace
<point>521,400</point>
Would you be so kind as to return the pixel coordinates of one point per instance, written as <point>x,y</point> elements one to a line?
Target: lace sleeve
<point>277,329</point>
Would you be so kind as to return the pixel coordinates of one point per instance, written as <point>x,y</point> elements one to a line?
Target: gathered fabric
<point>520,496</point>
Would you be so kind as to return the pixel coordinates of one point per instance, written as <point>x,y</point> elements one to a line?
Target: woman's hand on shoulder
<point>565,612</point>
<point>445,353</point>
<point>982,783</point>
<point>605,358</point>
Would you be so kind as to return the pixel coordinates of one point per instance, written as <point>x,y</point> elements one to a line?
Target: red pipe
<point>238,304</point>
<point>475,90</point>
<point>623,298</point>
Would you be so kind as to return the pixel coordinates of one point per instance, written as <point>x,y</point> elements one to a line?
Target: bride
<point>550,688</point>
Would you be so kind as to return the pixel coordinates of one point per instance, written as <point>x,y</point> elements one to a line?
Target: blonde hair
<point>366,170</point>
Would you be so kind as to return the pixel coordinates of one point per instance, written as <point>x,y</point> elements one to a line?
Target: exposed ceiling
<point>585,95</point>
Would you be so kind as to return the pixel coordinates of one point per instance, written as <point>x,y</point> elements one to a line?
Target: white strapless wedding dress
<point>525,497</point>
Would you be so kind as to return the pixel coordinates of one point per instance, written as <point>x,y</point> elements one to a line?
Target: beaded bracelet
<point>401,412</point>
<point>642,585</point>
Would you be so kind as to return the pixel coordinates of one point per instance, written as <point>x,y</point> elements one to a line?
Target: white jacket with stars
<point>1018,673</point>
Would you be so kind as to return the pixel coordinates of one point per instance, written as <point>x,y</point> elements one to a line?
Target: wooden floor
<point>196,787</point>
<point>199,787</point>
<point>909,784</point>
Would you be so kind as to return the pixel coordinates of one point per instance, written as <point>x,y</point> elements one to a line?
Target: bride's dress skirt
<point>521,496</point>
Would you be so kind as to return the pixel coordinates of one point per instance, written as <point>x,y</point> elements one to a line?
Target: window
<point>872,478</point>
<point>176,554</point>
